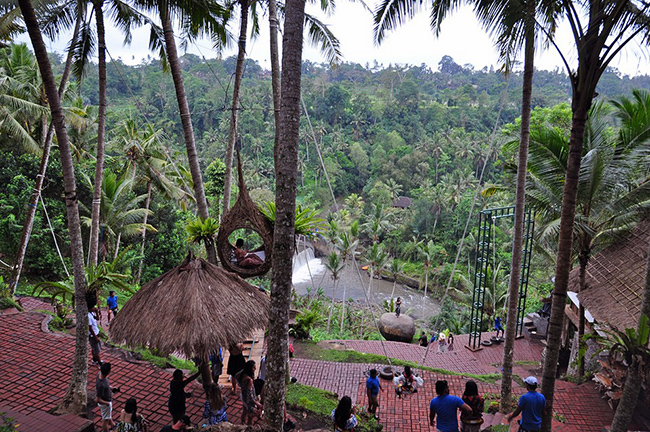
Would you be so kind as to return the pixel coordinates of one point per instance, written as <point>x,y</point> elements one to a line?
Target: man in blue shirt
<point>445,407</point>
<point>111,305</point>
<point>532,406</point>
<point>372,390</point>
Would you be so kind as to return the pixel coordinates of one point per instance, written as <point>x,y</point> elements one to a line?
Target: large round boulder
<point>397,328</point>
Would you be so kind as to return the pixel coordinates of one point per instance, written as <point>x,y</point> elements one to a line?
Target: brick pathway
<point>581,405</point>
<point>459,360</point>
<point>37,362</point>
<point>36,367</point>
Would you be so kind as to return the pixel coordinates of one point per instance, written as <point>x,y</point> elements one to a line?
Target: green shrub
<point>8,302</point>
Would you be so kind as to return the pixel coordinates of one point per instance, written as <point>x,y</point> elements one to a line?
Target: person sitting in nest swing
<point>244,258</point>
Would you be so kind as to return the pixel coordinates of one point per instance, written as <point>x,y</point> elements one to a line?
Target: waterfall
<point>304,262</point>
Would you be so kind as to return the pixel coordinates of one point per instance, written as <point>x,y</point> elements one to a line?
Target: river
<point>308,269</point>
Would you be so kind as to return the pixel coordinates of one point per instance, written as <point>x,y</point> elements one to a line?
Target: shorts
<point>114,310</point>
<point>106,411</point>
<point>95,345</point>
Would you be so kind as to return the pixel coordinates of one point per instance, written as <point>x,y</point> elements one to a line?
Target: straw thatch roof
<point>192,309</point>
<point>615,279</point>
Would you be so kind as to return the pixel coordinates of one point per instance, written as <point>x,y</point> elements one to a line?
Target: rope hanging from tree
<point>244,215</point>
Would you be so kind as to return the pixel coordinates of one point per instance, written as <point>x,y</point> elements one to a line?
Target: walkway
<point>35,361</point>
<point>581,405</point>
<point>459,360</point>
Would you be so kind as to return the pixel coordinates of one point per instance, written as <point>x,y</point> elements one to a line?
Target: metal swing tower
<point>485,260</point>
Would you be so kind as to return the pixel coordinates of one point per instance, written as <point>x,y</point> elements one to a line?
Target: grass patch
<point>315,352</point>
<point>321,403</point>
<point>315,400</point>
<point>162,362</point>
<point>8,302</point>
<point>526,363</point>
<point>500,428</point>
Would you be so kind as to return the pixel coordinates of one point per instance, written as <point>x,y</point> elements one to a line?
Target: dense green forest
<point>436,136</point>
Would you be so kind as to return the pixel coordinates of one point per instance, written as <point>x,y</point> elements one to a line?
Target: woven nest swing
<point>244,215</point>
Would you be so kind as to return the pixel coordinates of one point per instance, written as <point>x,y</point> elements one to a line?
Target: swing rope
<point>56,243</point>
<point>469,216</point>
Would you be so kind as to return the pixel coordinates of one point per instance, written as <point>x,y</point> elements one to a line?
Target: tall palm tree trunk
<point>565,248</point>
<point>329,317</point>
<point>186,121</point>
<point>147,202</point>
<point>234,109</point>
<point>628,402</point>
<point>286,169</point>
<point>93,247</point>
<point>520,205</point>
<point>40,177</point>
<point>75,396</point>
<point>275,67</point>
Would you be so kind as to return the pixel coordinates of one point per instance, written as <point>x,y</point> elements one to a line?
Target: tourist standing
<point>442,343</point>
<point>261,379</point>
<point>450,341</point>
<point>111,305</point>
<point>93,336</point>
<point>177,394</point>
<point>130,420</point>
<point>372,390</point>
<point>443,409</point>
<point>532,406</point>
<point>398,307</point>
<point>343,416</point>
<point>252,408</point>
<point>215,406</point>
<point>216,364</point>
<point>104,396</point>
<point>236,362</point>
<point>471,422</point>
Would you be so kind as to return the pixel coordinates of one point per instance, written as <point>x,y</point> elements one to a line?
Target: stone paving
<point>36,361</point>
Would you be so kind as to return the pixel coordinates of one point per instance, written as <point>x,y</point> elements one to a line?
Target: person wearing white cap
<point>532,406</point>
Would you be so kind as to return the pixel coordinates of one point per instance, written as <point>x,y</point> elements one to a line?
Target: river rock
<point>394,328</point>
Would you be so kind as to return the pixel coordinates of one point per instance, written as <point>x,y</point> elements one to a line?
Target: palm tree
<point>120,213</point>
<point>429,252</point>
<point>234,108</point>
<point>348,242</point>
<point>198,17</point>
<point>376,258</point>
<point>377,223</point>
<point>286,178</point>
<point>75,396</point>
<point>611,194</point>
<point>148,164</point>
<point>335,265</point>
<point>513,22</point>
<point>600,32</point>
<point>40,177</point>
<point>396,268</point>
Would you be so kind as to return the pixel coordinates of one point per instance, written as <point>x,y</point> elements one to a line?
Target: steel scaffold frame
<point>484,259</point>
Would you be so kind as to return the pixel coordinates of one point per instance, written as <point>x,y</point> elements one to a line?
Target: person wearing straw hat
<point>532,406</point>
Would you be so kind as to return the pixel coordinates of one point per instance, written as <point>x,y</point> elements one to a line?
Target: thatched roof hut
<point>615,278</point>
<point>192,309</point>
